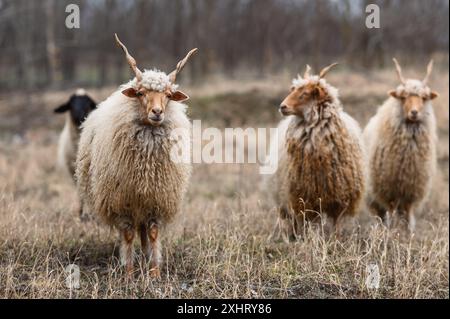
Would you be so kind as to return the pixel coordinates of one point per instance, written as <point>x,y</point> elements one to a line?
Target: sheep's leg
<point>337,229</point>
<point>84,217</point>
<point>405,218</point>
<point>126,252</point>
<point>155,259</point>
<point>297,228</point>
<point>380,211</point>
<point>302,221</point>
<point>387,219</point>
<point>145,246</point>
<point>407,215</point>
<point>80,212</point>
<point>411,221</point>
<point>287,224</point>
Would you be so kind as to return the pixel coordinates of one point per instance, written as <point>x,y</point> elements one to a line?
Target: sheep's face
<point>79,106</point>
<point>154,89</point>
<point>413,97</point>
<point>301,98</point>
<point>153,103</point>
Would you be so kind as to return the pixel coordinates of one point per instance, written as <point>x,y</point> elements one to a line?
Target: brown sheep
<point>320,168</point>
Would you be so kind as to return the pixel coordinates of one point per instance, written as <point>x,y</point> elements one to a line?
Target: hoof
<point>129,270</point>
<point>155,273</point>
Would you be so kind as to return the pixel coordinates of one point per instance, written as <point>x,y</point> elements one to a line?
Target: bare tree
<point>259,35</point>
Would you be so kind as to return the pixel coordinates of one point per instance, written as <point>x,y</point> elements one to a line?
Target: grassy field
<point>220,245</point>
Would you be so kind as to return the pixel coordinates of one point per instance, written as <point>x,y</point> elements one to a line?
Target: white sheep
<point>320,166</point>
<point>125,171</point>
<point>77,108</point>
<point>401,142</point>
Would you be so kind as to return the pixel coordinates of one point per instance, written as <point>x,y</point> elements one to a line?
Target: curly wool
<point>320,164</point>
<point>333,93</point>
<point>401,157</point>
<point>124,169</point>
<point>413,87</point>
<point>154,80</point>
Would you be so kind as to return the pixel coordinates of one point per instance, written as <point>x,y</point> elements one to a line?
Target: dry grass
<point>219,246</point>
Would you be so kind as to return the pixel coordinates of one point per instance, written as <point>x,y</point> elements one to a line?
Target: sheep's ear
<point>393,93</point>
<point>92,103</point>
<point>63,108</point>
<point>130,92</point>
<point>433,95</point>
<point>179,96</point>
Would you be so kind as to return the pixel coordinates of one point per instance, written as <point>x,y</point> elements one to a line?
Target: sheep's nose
<point>157,111</point>
<point>283,107</point>
<point>414,113</point>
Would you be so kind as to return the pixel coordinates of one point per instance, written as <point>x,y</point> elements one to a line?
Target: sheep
<point>320,166</point>
<point>77,108</point>
<point>125,170</point>
<point>401,143</point>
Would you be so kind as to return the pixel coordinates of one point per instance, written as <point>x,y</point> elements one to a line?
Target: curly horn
<point>130,59</point>
<point>327,69</point>
<point>180,65</point>
<point>399,71</point>
<point>429,69</point>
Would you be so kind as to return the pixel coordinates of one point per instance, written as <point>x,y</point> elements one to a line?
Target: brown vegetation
<point>219,247</point>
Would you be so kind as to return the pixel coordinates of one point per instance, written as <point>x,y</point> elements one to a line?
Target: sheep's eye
<point>169,95</point>
<point>139,94</point>
<point>304,95</point>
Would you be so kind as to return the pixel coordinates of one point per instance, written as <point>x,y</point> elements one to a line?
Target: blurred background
<point>236,37</point>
